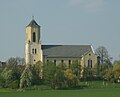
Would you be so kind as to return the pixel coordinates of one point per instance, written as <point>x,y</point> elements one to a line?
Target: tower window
<point>35,51</point>
<point>34,37</point>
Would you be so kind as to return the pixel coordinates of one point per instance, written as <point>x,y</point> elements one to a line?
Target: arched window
<point>89,63</point>
<point>34,37</point>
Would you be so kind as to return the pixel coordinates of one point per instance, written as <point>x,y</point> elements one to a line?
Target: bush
<point>2,82</point>
<point>14,84</point>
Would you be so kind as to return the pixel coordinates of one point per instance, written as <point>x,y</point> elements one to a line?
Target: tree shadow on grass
<point>74,88</point>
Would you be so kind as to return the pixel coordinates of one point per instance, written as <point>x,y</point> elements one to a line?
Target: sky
<point>72,22</point>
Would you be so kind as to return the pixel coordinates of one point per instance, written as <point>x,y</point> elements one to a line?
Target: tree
<point>11,74</point>
<point>37,70</point>
<point>32,75</point>
<point>116,62</point>
<point>70,78</point>
<point>108,75</point>
<point>105,60</point>
<point>116,71</point>
<point>103,54</point>
<point>49,71</point>
<point>20,61</point>
<point>12,62</point>
<point>2,82</point>
<point>59,78</point>
<point>76,68</point>
<point>26,79</point>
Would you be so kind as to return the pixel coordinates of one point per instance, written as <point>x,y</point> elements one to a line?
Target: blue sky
<point>95,22</point>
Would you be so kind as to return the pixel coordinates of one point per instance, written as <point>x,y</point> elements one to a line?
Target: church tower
<point>33,44</point>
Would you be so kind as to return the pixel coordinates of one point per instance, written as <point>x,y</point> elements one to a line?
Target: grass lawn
<point>65,93</point>
<point>108,91</point>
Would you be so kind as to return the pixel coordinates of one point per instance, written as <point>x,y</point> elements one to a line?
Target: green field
<point>65,93</point>
<point>95,91</point>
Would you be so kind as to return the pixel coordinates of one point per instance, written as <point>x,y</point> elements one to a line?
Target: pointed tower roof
<point>33,23</point>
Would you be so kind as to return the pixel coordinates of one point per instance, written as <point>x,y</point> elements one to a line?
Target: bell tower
<point>33,44</point>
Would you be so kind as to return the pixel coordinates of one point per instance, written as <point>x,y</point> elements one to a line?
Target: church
<point>36,51</point>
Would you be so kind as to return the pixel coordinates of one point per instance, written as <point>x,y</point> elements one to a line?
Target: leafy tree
<point>9,76</point>
<point>96,70</point>
<point>26,79</point>
<point>32,75</point>
<point>76,68</point>
<point>116,62</point>
<point>70,78</point>
<point>108,75</point>
<point>2,80</point>
<point>59,78</point>
<point>62,66</point>
<point>37,70</point>
<point>49,71</point>
<point>116,71</point>
<point>11,73</point>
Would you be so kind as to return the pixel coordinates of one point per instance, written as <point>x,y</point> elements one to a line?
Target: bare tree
<point>20,61</point>
<point>12,62</point>
<point>103,54</point>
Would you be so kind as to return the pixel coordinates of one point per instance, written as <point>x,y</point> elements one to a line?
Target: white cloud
<point>90,5</point>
